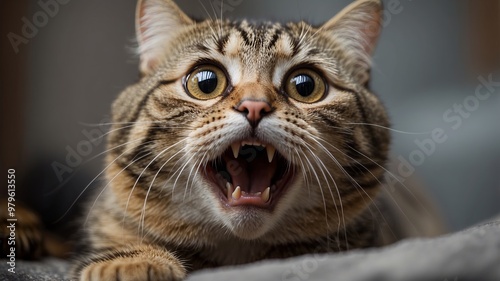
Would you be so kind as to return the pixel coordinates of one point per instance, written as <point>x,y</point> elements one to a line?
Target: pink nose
<point>254,110</point>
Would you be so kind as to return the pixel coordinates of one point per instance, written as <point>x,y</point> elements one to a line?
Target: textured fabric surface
<point>472,254</point>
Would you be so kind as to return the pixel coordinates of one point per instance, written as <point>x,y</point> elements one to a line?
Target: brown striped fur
<point>158,220</point>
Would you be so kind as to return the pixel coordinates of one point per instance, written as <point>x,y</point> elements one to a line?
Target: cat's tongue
<point>252,175</point>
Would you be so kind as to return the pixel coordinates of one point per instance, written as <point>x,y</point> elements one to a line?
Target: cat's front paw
<point>133,265</point>
<point>25,233</point>
<point>132,270</point>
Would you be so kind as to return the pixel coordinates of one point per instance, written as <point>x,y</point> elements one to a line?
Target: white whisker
<point>390,129</point>
<point>92,181</point>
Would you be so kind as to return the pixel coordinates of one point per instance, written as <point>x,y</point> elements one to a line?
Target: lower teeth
<point>266,195</point>
<point>237,192</point>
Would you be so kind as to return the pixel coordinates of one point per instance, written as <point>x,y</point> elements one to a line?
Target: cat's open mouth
<point>251,173</point>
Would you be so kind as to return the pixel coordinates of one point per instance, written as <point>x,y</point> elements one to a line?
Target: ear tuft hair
<point>157,23</point>
<point>358,28</point>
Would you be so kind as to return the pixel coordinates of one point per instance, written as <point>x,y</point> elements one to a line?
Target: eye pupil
<point>304,84</point>
<point>207,81</point>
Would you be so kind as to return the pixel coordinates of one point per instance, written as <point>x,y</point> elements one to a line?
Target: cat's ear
<point>357,27</point>
<point>157,23</point>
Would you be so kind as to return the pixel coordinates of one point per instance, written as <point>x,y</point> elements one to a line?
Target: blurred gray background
<point>428,60</point>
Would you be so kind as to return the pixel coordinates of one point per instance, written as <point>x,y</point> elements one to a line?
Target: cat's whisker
<point>162,166</point>
<point>112,179</point>
<point>302,36</point>
<point>135,124</point>
<point>303,169</point>
<point>142,172</point>
<point>131,191</point>
<point>390,129</point>
<point>183,159</point>
<point>341,223</point>
<point>201,162</point>
<point>322,196</point>
<point>323,168</point>
<point>214,34</point>
<point>109,182</point>
<point>130,126</point>
<point>93,180</point>
<point>179,171</point>
<point>407,189</point>
<point>321,190</point>
<point>147,122</point>
<point>356,184</point>
<point>143,212</point>
<point>330,155</point>
<point>351,179</point>
<point>367,169</point>
<point>196,165</point>
<point>87,161</point>
<point>219,22</point>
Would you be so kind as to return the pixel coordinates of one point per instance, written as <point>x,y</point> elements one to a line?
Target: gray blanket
<point>472,254</point>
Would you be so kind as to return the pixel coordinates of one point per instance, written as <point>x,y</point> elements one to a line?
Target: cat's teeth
<point>266,194</point>
<point>270,153</point>
<point>237,193</point>
<point>256,143</point>
<point>229,188</point>
<point>253,143</point>
<point>236,149</point>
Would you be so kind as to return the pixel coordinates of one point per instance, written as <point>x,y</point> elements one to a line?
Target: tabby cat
<point>242,141</point>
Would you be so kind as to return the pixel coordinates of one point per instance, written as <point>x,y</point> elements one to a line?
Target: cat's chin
<point>248,223</point>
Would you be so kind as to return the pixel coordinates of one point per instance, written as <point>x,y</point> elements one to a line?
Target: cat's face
<point>255,128</point>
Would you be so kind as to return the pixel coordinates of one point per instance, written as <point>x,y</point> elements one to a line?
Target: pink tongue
<point>252,176</point>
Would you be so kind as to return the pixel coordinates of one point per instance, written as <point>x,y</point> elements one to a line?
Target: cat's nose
<point>254,110</point>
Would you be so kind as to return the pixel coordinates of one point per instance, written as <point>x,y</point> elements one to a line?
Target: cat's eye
<point>206,82</point>
<point>305,85</point>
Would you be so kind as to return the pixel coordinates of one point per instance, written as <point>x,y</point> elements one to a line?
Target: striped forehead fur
<point>346,38</point>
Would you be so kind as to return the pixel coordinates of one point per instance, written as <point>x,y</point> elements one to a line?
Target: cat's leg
<point>22,229</point>
<point>118,252</point>
<point>133,263</point>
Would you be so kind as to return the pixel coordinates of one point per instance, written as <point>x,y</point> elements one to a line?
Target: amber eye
<point>305,85</point>
<point>206,82</point>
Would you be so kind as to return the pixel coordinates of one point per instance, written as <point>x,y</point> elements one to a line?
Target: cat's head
<point>262,129</point>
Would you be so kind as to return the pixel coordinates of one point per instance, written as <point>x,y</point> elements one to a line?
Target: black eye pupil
<point>304,84</point>
<point>207,81</point>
